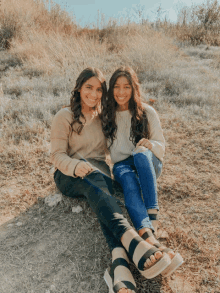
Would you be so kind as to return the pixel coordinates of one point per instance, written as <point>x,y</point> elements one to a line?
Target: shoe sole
<point>175,263</point>
<point>108,281</point>
<point>157,268</point>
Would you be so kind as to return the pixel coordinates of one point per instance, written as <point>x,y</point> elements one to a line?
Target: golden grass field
<point>50,249</point>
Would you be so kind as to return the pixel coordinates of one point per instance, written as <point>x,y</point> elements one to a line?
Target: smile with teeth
<point>121,98</point>
<point>92,100</point>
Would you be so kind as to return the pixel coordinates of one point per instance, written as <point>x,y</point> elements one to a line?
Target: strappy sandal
<point>176,261</point>
<point>118,276</point>
<point>139,253</point>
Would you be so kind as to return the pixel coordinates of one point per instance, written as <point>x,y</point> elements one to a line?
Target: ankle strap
<point>153,217</point>
<point>147,235</point>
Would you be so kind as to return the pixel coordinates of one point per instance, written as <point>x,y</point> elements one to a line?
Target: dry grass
<point>198,24</point>
<point>58,251</point>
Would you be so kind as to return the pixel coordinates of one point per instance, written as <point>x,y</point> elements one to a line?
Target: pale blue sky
<point>86,11</point>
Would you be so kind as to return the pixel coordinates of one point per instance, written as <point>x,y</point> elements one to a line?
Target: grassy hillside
<point>42,53</point>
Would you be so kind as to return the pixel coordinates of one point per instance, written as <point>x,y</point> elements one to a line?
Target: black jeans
<point>98,189</point>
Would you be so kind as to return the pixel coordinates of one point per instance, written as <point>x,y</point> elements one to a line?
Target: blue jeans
<point>137,175</point>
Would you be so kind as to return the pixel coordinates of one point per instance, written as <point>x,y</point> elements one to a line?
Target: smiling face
<point>122,92</point>
<point>91,94</point>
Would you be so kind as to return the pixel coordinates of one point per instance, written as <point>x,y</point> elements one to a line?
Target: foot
<point>126,239</point>
<point>123,274</point>
<point>152,240</point>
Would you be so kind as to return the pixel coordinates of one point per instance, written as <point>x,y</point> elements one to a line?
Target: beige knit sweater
<point>122,147</point>
<point>67,147</point>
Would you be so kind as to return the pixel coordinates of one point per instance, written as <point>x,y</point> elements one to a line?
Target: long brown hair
<point>75,100</point>
<point>139,121</point>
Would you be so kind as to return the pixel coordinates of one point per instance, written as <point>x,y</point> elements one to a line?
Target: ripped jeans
<point>137,175</point>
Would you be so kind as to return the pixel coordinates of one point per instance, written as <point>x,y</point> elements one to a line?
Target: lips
<point>91,100</point>
<point>121,98</point>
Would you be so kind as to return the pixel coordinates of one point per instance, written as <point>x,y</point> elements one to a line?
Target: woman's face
<point>90,93</point>
<point>122,92</point>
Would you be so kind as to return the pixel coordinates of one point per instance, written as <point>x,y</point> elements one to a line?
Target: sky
<point>86,11</point>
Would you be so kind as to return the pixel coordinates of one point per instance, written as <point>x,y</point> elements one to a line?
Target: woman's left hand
<point>145,142</point>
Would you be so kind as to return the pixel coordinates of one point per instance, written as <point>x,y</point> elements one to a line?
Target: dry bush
<point>199,24</point>
<point>17,18</point>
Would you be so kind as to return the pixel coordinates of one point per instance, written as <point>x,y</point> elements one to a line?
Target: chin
<point>91,105</point>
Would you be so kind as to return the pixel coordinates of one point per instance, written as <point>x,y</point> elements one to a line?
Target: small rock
<point>10,225</point>
<point>52,170</point>
<point>52,200</point>
<point>19,224</point>
<point>52,287</point>
<point>77,209</point>
<point>162,234</point>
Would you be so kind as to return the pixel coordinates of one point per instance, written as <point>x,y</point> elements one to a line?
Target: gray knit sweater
<point>122,147</point>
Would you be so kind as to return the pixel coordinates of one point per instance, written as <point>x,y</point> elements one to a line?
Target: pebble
<point>77,209</point>
<point>52,200</point>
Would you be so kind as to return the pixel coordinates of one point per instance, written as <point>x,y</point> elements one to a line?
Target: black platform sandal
<point>139,254</point>
<point>176,261</point>
<point>118,276</point>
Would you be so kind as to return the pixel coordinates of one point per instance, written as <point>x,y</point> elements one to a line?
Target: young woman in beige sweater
<point>137,146</point>
<point>78,149</point>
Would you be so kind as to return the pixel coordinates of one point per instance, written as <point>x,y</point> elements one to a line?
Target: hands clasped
<point>82,169</point>
<point>145,143</point>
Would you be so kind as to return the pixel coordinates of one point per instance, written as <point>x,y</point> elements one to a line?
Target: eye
<point>100,90</point>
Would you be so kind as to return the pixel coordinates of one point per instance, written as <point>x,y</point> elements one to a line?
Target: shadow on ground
<point>51,249</point>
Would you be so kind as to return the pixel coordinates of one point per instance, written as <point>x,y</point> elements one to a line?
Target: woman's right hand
<point>82,169</point>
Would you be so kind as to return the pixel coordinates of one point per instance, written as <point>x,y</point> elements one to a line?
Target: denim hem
<point>153,208</point>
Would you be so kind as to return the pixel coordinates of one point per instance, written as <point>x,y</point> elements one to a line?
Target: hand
<point>82,169</point>
<point>145,142</point>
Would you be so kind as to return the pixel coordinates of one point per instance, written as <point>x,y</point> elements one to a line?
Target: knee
<point>119,172</point>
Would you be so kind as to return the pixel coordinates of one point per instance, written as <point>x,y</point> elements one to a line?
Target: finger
<point>140,141</point>
<point>82,175</point>
<point>83,170</point>
<point>90,167</point>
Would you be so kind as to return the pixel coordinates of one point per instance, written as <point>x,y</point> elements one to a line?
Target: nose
<point>94,94</point>
<point>121,91</point>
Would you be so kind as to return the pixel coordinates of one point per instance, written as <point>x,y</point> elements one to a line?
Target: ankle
<point>143,230</point>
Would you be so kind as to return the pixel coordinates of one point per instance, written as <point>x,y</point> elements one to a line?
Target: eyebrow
<point>87,84</point>
<point>124,84</point>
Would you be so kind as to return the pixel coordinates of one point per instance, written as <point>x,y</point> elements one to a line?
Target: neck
<point>121,108</point>
<point>86,109</point>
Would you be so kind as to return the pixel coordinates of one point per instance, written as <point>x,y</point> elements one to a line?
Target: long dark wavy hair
<point>139,121</point>
<point>75,100</point>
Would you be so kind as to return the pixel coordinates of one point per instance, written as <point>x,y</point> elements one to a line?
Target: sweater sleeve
<point>155,133</point>
<point>60,131</point>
